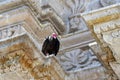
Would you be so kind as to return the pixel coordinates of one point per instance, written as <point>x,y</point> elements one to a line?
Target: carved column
<point>105,26</point>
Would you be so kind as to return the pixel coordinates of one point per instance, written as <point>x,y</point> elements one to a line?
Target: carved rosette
<point>78,59</point>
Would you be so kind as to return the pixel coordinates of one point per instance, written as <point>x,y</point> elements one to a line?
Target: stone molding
<point>100,24</point>
<point>40,21</point>
<point>30,28</point>
<point>104,25</point>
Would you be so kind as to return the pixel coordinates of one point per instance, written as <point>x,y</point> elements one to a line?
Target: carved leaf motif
<point>76,6</point>
<point>78,60</point>
<point>76,23</point>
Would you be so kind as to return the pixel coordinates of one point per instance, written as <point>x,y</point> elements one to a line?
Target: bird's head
<point>54,35</point>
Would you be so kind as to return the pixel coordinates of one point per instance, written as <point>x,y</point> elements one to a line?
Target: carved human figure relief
<point>78,59</point>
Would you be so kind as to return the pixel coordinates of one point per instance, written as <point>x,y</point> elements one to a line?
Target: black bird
<point>51,46</point>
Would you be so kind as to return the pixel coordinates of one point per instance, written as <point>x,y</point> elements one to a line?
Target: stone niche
<point>105,26</point>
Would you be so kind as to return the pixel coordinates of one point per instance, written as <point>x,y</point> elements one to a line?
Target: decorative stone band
<point>116,34</point>
<point>11,31</point>
<point>107,26</point>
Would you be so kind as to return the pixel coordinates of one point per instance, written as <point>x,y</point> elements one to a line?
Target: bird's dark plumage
<point>50,46</point>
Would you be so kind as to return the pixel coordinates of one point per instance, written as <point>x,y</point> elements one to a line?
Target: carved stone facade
<point>24,24</point>
<point>105,28</point>
<point>77,60</point>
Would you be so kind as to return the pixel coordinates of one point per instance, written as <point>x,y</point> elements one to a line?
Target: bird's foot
<point>51,55</point>
<point>47,55</point>
<point>47,63</point>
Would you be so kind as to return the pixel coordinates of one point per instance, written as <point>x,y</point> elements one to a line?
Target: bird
<point>50,47</point>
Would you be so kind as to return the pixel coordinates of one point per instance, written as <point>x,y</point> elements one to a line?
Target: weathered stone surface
<point>24,24</point>
<point>105,29</point>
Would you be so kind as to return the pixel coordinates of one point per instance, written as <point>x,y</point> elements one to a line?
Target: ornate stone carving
<point>75,22</point>
<point>46,14</point>
<point>77,60</point>
<point>11,30</point>
<point>10,63</point>
<point>116,34</point>
<point>106,31</point>
<point>108,2</point>
<point>76,6</point>
<point>96,4</point>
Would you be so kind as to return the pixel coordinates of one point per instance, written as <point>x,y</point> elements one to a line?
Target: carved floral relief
<point>78,59</point>
<point>75,22</point>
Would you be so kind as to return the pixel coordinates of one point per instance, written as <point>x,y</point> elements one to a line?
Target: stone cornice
<point>47,13</point>
<point>24,15</point>
<point>102,15</point>
<point>75,40</point>
<point>7,5</point>
<point>104,25</point>
<point>102,20</point>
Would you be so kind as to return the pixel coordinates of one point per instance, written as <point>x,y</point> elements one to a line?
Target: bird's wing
<point>45,45</point>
